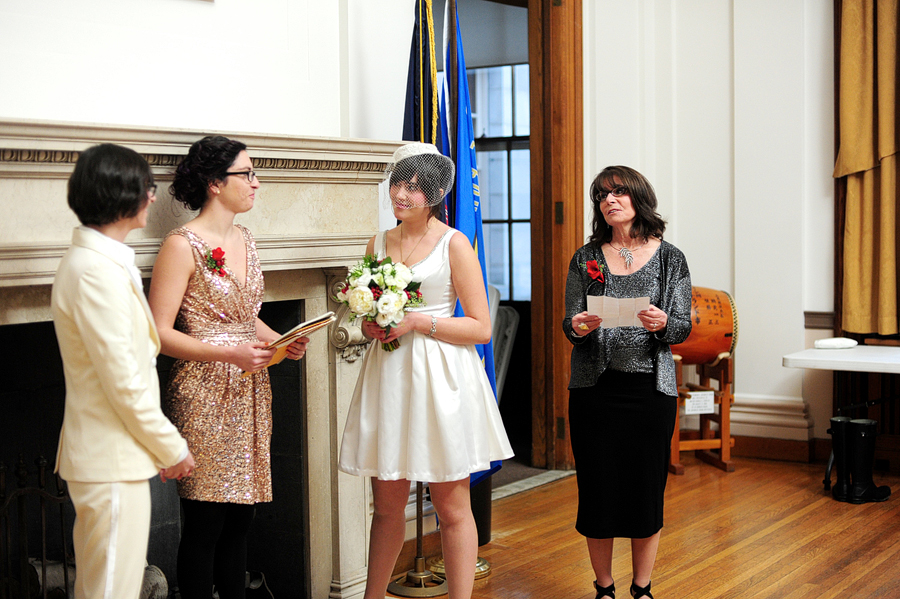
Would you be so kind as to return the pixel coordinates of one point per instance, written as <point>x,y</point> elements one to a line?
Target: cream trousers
<point>112,524</point>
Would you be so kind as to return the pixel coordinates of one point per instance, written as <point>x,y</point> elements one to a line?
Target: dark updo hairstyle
<point>206,162</point>
<point>647,221</point>
<point>109,183</point>
<point>435,178</point>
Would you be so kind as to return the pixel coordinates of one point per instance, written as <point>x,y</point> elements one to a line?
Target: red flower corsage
<point>215,261</point>
<point>595,270</point>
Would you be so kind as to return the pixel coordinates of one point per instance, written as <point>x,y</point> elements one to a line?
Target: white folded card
<point>834,343</point>
<point>617,312</point>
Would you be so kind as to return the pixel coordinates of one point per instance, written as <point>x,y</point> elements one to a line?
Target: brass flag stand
<point>419,582</point>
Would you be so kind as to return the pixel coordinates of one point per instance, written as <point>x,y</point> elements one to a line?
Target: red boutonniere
<point>595,270</point>
<point>215,261</point>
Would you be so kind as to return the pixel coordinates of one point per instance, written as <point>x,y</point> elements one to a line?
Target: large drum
<point>715,327</point>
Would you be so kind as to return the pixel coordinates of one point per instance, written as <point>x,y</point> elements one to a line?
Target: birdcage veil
<point>418,167</point>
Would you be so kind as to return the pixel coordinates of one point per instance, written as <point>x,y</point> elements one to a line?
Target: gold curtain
<point>867,160</point>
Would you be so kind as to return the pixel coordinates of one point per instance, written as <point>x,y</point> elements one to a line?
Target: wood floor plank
<point>766,531</point>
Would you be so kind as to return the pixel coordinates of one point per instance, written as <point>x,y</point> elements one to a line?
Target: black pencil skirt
<point>621,430</point>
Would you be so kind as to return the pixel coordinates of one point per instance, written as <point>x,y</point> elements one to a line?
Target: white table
<point>860,358</point>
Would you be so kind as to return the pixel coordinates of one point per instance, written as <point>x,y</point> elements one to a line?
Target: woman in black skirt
<point>622,393</point>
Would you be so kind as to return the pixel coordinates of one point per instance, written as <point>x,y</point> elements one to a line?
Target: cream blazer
<point>113,428</point>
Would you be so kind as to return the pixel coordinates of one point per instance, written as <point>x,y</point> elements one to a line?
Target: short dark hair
<point>109,183</point>
<point>206,162</point>
<point>647,221</point>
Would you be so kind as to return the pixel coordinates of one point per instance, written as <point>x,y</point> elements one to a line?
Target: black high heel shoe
<point>602,592</point>
<point>637,591</point>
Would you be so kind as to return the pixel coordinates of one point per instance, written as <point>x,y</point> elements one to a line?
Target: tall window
<point>500,116</point>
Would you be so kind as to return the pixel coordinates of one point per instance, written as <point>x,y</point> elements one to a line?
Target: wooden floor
<point>767,530</point>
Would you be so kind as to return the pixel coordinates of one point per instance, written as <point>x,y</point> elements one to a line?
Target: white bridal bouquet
<point>381,291</point>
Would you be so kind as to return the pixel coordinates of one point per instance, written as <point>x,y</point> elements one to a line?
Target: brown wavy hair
<point>647,221</point>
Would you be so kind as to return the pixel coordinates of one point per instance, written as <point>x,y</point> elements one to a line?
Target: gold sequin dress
<point>226,419</point>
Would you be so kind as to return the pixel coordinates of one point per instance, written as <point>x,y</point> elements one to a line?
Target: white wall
<point>296,67</point>
<point>727,108</point>
<point>380,34</point>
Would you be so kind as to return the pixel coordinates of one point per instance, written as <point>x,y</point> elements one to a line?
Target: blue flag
<point>465,212</point>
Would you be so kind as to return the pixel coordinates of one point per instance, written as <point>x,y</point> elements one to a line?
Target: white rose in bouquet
<point>361,301</point>
<point>363,280</point>
<point>401,276</point>
<point>390,309</point>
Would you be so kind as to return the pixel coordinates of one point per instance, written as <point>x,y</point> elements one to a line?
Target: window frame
<point>507,145</point>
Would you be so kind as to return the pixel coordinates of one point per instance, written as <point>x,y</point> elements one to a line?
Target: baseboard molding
<point>777,449</point>
<point>821,450</point>
<point>887,450</point>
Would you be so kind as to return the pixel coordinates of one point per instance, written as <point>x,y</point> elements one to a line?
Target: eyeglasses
<point>151,190</point>
<point>251,175</point>
<point>617,192</point>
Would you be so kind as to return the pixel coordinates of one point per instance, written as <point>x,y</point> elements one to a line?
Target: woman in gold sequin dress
<point>206,292</point>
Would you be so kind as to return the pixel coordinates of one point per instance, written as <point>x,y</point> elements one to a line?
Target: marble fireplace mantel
<point>315,211</point>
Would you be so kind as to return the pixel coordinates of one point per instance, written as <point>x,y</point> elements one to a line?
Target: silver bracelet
<point>433,327</point>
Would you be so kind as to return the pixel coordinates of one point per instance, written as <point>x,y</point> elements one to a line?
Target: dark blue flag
<point>420,119</point>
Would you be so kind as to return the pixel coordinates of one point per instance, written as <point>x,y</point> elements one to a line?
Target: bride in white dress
<point>425,411</point>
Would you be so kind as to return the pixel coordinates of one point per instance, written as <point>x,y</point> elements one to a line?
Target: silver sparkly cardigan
<point>590,354</point>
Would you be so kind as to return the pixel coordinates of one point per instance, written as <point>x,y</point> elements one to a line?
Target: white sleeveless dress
<point>425,411</point>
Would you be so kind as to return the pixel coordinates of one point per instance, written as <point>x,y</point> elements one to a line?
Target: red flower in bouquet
<point>595,271</point>
<point>215,261</point>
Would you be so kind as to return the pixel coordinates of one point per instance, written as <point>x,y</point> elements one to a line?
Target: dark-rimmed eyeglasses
<point>617,192</point>
<point>251,175</point>
<point>151,190</point>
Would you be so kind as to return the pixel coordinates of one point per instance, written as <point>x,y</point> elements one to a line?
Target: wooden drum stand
<point>713,447</point>
<point>710,346</point>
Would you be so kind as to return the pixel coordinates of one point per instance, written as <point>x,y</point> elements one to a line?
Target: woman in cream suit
<point>114,435</point>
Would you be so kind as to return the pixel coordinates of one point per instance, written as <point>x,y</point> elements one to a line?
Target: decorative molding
<point>354,586</point>
<point>42,156</point>
<point>818,320</point>
<point>45,149</point>
<point>16,163</point>
<point>35,263</point>
<point>346,335</point>
<point>28,134</point>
